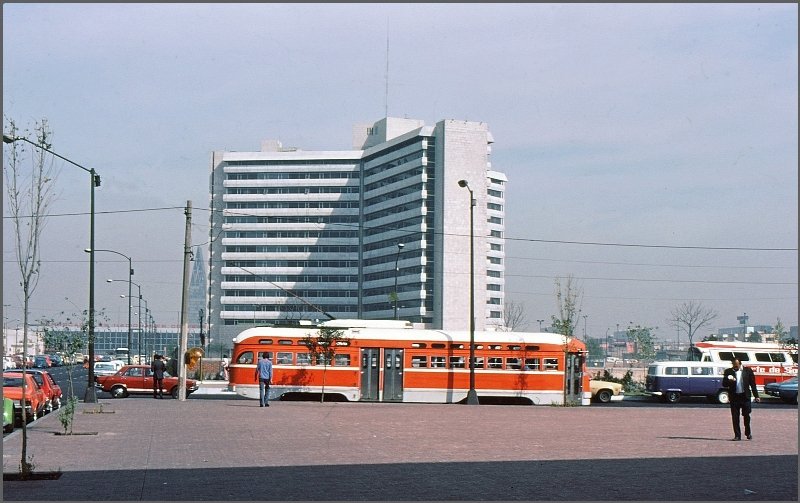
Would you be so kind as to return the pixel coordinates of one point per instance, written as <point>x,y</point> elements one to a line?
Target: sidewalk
<point>218,446</point>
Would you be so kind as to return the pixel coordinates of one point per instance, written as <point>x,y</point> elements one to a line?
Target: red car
<point>34,396</point>
<point>52,391</point>
<point>138,379</point>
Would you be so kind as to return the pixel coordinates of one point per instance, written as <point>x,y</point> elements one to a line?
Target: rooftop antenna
<point>386,94</point>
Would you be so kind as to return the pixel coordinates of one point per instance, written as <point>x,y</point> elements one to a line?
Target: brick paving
<point>221,447</point>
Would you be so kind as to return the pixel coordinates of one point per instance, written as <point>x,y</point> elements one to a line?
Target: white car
<point>107,368</point>
<point>606,391</point>
<point>9,363</point>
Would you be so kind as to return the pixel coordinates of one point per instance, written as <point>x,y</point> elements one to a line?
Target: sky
<point>651,149</point>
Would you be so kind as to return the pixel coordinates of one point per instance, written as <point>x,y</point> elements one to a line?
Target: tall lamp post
<point>396,270</point>
<point>130,274</point>
<point>139,287</point>
<point>472,395</point>
<point>90,395</point>
<point>540,324</point>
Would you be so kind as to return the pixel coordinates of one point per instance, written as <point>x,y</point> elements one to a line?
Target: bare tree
<point>568,300</point>
<point>29,196</point>
<point>691,316</point>
<point>514,316</point>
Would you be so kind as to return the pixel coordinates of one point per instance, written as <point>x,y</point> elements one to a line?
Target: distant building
<point>317,234</point>
<point>197,288</point>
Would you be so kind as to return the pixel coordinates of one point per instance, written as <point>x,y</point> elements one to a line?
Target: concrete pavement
<point>218,446</point>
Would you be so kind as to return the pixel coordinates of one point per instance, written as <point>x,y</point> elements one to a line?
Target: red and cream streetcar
<point>391,361</point>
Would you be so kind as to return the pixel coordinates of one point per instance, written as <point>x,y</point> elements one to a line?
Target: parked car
<point>9,363</point>
<point>606,391</point>
<point>108,368</point>
<point>52,391</point>
<point>34,396</point>
<point>138,379</point>
<point>785,390</point>
<point>8,415</point>
<point>42,361</point>
<point>56,359</point>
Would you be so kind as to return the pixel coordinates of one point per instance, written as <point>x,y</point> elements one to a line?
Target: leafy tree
<point>322,349</point>
<point>780,332</point>
<point>595,348</point>
<point>642,338</point>
<point>568,299</point>
<point>61,338</point>
<point>755,336</point>
<point>691,316</point>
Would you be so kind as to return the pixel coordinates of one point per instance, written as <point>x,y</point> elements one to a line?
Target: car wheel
<point>33,416</point>
<point>174,392</point>
<point>603,396</point>
<point>119,392</point>
<point>57,403</point>
<point>723,397</point>
<point>673,396</point>
<point>9,427</point>
<point>49,407</point>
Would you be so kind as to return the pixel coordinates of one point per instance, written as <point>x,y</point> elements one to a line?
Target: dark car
<point>785,390</point>
<point>57,360</point>
<point>138,379</point>
<point>42,361</point>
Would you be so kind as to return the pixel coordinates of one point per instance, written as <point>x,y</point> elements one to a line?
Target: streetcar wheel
<point>723,397</point>
<point>673,396</point>
<point>603,396</point>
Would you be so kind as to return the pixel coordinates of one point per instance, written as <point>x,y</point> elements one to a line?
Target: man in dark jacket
<point>740,381</point>
<point>158,367</point>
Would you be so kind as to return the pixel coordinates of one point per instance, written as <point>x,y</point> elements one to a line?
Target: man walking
<point>740,382</point>
<point>264,378</point>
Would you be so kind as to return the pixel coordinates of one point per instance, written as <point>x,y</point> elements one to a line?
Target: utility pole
<point>184,341</point>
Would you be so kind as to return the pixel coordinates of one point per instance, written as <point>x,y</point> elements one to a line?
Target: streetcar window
<point>532,364</point>
<point>478,362</point>
<point>420,345</point>
<point>495,363</point>
<point>478,346</point>
<point>512,364</point>
<point>341,360</point>
<point>265,354</point>
<point>514,347</point>
<point>456,346</point>
<point>456,362</point>
<point>323,359</point>
<point>437,361</point>
<point>437,345</point>
<point>729,356</point>
<point>551,363</point>
<point>285,342</point>
<point>265,341</point>
<point>495,346</point>
<point>531,348</point>
<point>303,359</point>
<point>284,359</point>
<point>419,362</point>
<point>246,357</point>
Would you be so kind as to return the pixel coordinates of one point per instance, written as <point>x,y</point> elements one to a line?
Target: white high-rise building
<point>378,232</point>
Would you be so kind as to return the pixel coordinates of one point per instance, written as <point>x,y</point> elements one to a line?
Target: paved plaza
<point>222,447</point>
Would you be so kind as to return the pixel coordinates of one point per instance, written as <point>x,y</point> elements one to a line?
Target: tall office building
<point>378,232</point>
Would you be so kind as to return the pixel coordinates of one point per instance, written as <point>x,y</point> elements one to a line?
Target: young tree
<point>780,332</point>
<point>322,349</point>
<point>642,338</point>
<point>60,337</point>
<point>691,316</point>
<point>514,317</point>
<point>568,299</point>
<point>29,196</point>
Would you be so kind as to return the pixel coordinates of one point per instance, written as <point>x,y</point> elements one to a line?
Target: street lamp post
<point>540,324</point>
<point>396,270</point>
<point>139,287</point>
<point>130,274</point>
<point>90,395</point>
<point>472,395</point>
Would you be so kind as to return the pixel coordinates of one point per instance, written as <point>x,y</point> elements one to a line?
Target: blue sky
<point>667,124</point>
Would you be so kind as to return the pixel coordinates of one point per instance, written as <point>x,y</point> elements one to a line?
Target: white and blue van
<point>670,380</point>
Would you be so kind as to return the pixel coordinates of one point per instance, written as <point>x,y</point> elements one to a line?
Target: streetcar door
<point>369,374</point>
<point>574,377</point>
<point>392,375</point>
